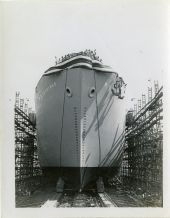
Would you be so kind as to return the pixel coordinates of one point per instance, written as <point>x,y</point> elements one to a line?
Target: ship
<point>80,119</point>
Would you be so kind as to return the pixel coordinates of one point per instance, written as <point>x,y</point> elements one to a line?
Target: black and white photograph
<point>85,109</point>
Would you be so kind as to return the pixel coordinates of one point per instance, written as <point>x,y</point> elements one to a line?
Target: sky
<point>129,35</point>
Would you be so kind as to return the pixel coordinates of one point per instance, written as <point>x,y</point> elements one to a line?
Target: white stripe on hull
<point>79,61</point>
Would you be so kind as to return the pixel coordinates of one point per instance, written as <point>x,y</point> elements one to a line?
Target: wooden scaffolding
<point>27,168</point>
<point>142,163</point>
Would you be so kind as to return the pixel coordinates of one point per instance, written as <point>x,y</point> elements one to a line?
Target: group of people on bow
<point>90,53</point>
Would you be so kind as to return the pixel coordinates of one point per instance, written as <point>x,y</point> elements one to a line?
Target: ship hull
<point>78,178</point>
<point>80,125</point>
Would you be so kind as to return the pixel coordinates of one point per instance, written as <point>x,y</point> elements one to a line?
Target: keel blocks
<point>100,185</point>
<point>60,185</point>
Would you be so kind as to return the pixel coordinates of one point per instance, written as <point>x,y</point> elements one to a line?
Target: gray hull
<point>80,122</point>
